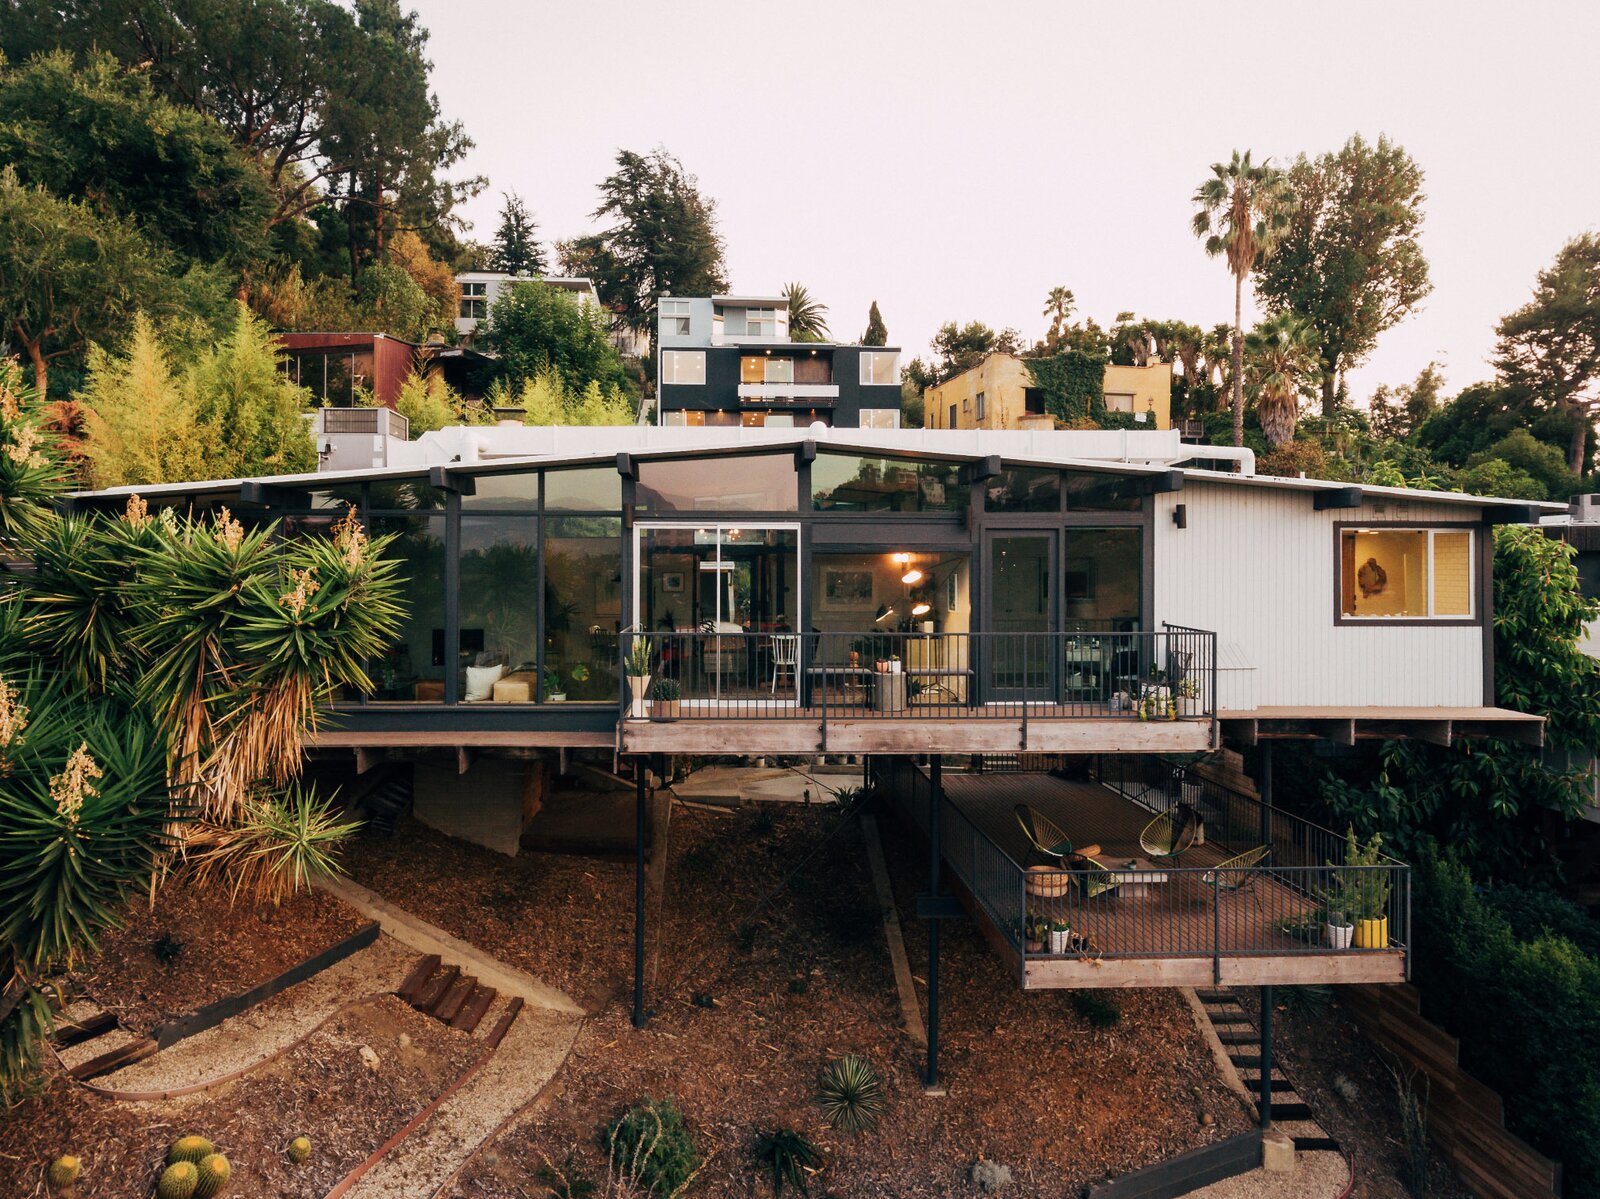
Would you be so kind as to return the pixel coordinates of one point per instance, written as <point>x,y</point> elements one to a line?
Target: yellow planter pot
<point>1372,934</point>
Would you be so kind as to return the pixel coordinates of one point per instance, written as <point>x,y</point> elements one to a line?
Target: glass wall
<point>499,608</point>
<point>847,483</point>
<point>414,667</point>
<point>1101,580</point>
<point>1021,489</point>
<point>761,483</point>
<point>583,606</point>
<point>1088,491</point>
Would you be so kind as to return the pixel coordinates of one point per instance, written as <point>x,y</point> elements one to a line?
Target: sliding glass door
<point>1022,599</point>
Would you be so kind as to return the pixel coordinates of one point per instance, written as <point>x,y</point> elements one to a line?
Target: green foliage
<point>851,1094</point>
<point>1348,262</point>
<point>650,1146</point>
<point>662,238</point>
<point>1309,1001</point>
<point>396,303</point>
<point>70,275</point>
<point>1482,980</point>
<point>275,846</point>
<point>1098,1009</point>
<point>808,317</point>
<point>1073,384</point>
<point>1280,356</point>
<point>31,470</point>
<point>100,134</point>
<point>1534,911</point>
<point>666,689</point>
<point>959,347</point>
<point>1520,456</point>
<point>538,330</point>
<point>247,410</point>
<point>515,249</point>
<point>790,1157</point>
<point>877,333</point>
<point>428,403</point>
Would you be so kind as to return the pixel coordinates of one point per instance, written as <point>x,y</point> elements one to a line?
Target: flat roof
<point>1142,453</point>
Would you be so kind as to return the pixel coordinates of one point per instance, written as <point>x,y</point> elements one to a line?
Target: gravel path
<point>1316,1175</point>
<point>256,1034</point>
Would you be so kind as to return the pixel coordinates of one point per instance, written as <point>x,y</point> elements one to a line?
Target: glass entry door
<point>1021,598</point>
<point>717,595</point>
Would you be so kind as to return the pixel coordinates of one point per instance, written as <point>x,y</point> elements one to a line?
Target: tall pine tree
<point>877,333</point>
<point>516,249</point>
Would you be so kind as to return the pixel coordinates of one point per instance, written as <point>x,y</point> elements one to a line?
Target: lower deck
<point>1132,921</point>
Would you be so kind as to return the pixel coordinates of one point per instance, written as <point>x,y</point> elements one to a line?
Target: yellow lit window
<point>1406,574</point>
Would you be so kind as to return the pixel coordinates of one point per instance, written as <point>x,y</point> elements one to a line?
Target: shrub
<point>852,1094</point>
<point>278,845</point>
<point>1096,1008</point>
<point>650,1150</point>
<point>792,1157</point>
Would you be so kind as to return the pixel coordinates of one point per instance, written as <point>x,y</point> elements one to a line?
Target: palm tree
<point>1244,207</point>
<point>807,317</point>
<point>1282,352</point>
<point>1057,306</point>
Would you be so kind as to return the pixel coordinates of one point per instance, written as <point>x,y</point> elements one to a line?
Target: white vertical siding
<point>1256,564</point>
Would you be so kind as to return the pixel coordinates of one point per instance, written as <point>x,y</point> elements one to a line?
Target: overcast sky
<point>957,160</point>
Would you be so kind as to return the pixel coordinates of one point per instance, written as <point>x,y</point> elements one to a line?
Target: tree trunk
<point>1238,360</point>
<point>1330,393</point>
<point>1580,438</point>
<point>41,369</point>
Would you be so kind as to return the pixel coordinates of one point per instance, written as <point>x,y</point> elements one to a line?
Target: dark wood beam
<point>1243,731</point>
<point>446,479</point>
<point>1342,497</point>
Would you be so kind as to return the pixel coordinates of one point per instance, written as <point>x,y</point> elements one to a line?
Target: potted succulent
<point>554,692</point>
<point>579,674</point>
<point>855,654</point>
<point>894,663</point>
<point>1337,931</point>
<point>666,696</point>
<point>1060,933</point>
<point>1034,931</point>
<point>1189,698</point>
<point>636,665</point>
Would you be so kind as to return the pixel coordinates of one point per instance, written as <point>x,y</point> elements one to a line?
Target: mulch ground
<point>321,1089</point>
<point>744,1022</point>
<point>1349,1087</point>
<point>221,950</point>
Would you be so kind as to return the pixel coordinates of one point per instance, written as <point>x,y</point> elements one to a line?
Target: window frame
<point>1476,573</point>
<point>674,356</point>
<point>873,355</point>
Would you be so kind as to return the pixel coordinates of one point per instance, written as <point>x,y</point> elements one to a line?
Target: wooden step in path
<point>1241,1041</point>
<point>449,996</point>
<point>89,1041</point>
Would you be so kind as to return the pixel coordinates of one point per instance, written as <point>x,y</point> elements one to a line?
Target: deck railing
<point>1166,674</point>
<point>1283,905</point>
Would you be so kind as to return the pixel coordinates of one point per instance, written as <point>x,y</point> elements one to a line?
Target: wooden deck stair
<point>1241,1040</point>
<point>453,998</point>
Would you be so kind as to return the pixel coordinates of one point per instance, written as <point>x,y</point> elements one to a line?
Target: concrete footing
<point>1277,1152</point>
<point>489,804</point>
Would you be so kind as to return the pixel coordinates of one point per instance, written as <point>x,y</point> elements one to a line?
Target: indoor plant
<point>554,693</point>
<point>666,696</point>
<point>637,667</point>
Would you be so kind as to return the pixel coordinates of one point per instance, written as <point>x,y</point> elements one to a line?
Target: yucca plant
<point>275,846</point>
<point>32,471</point>
<point>851,1094</point>
<point>792,1157</point>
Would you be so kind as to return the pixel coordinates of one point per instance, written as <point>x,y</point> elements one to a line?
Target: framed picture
<point>1078,579</point>
<point>846,588</point>
<point>952,593</point>
<point>672,582</point>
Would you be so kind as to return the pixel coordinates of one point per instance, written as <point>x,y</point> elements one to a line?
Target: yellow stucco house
<point>998,393</point>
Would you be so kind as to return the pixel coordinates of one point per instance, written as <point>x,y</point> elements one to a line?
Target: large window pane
<point>1410,574</point>
<point>414,667</point>
<point>515,492</point>
<point>1092,492</point>
<point>880,367</point>
<point>845,483</point>
<point>500,607</point>
<point>405,495</point>
<point>683,366</point>
<point>763,483</point>
<point>583,605</point>
<point>597,489</point>
<point>1452,572</point>
<point>1020,489</point>
<point>1101,580</point>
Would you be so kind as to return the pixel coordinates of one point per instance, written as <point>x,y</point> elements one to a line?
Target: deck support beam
<point>639,800</point>
<point>1264,1103</point>
<point>930,1075</point>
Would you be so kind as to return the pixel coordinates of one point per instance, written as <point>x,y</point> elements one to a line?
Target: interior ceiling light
<point>921,609</point>
<point>901,559</point>
<point>912,577</point>
<point>884,612</point>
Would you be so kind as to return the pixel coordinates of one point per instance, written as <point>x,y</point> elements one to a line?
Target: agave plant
<point>851,1094</point>
<point>792,1157</point>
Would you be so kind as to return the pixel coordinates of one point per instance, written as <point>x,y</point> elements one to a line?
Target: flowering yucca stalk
<point>31,470</point>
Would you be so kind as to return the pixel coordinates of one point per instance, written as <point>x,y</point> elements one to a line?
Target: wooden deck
<point>1170,931</point>
<point>1047,729</point>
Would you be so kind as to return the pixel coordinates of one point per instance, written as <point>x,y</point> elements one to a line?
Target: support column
<point>639,801</point>
<point>930,1075</point>
<point>1264,1102</point>
<point>1266,793</point>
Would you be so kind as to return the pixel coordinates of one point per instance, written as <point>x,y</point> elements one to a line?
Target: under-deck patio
<point>1126,917</point>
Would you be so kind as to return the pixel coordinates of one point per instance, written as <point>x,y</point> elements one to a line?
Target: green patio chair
<point>1235,875</point>
<point>1044,834</point>
<point>1170,834</point>
<point>1098,879</point>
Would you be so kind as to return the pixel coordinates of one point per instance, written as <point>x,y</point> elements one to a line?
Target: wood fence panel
<point>1465,1118</point>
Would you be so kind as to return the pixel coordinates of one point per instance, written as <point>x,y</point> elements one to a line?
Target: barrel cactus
<point>299,1149</point>
<point>178,1181</point>
<point>64,1172</point>
<point>214,1172</point>
<point>189,1149</point>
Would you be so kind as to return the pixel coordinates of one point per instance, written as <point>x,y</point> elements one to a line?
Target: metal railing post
<point>1216,932</point>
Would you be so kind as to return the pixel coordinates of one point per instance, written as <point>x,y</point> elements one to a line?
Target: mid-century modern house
<point>728,361</point>
<point>999,393</point>
<point>1109,604</point>
<point>337,368</point>
<point>480,289</point>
